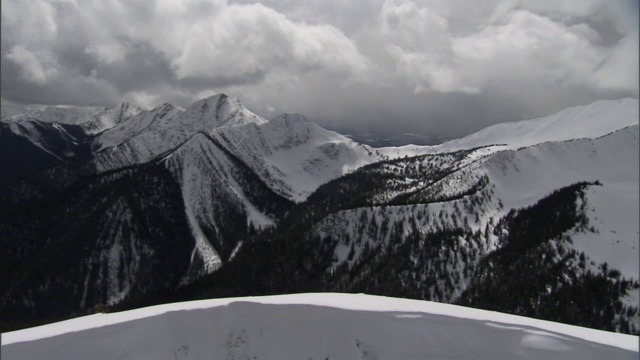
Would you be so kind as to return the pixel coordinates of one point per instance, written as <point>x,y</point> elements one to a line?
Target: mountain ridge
<point>257,201</point>
<point>586,121</point>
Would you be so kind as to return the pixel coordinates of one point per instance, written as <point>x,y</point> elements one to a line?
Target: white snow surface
<point>316,326</point>
<point>293,155</point>
<point>614,212</point>
<point>588,121</point>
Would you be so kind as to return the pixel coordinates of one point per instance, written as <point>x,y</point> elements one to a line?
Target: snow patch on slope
<point>203,248</point>
<point>613,211</point>
<point>210,184</point>
<point>28,130</point>
<point>293,155</point>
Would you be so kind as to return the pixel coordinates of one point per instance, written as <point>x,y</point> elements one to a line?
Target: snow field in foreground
<point>317,326</point>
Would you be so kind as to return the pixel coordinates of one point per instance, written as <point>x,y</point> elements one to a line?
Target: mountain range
<point>110,209</point>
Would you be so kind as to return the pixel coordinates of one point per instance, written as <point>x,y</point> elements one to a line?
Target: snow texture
<point>523,177</point>
<point>293,155</point>
<point>589,121</point>
<point>313,326</point>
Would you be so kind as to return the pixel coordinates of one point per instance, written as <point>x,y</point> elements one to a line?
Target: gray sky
<point>410,66</point>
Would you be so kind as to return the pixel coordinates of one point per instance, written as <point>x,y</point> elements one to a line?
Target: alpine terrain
<point>114,209</point>
<point>314,326</point>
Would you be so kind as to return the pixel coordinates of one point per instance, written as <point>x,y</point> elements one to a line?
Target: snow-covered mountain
<point>293,155</point>
<point>314,326</point>
<point>517,179</point>
<point>32,145</point>
<point>91,119</point>
<point>588,121</point>
<point>40,137</point>
<point>464,211</point>
<point>227,184</point>
<point>201,146</point>
<point>160,130</point>
<point>213,200</point>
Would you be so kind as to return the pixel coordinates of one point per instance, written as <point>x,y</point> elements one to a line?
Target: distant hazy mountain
<point>377,140</point>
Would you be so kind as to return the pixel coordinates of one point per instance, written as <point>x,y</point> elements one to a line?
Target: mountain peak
<point>293,128</point>
<point>217,97</point>
<point>289,117</point>
<point>221,110</point>
<point>125,110</point>
<point>213,101</point>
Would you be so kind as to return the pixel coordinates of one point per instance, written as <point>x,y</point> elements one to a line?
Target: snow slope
<point>589,121</point>
<point>151,133</point>
<point>33,132</point>
<point>514,179</point>
<point>93,120</point>
<point>9,109</point>
<point>598,142</point>
<point>206,175</point>
<point>293,155</point>
<point>523,177</point>
<point>313,326</point>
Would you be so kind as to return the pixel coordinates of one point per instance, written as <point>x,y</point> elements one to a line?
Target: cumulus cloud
<point>620,69</point>
<point>228,44</point>
<point>513,46</point>
<point>418,64</point>
<point>31,67</point>
<point>243,40</point>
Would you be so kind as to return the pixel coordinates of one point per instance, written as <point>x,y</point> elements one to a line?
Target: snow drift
<point>313,326</point>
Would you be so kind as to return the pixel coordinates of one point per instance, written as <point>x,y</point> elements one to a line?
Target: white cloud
<point>620,71</point>
<point>200,39</point>
<point>565,9</point>
<point>419,41</point>
<point>33,22</point>
<point>514,46</point>
<point>241,40</point>
<point>527,48</point>
<point>107,52</point>
<point>31,67</point>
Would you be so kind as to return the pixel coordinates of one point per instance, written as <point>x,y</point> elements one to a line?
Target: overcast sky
<point>414,65</point>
